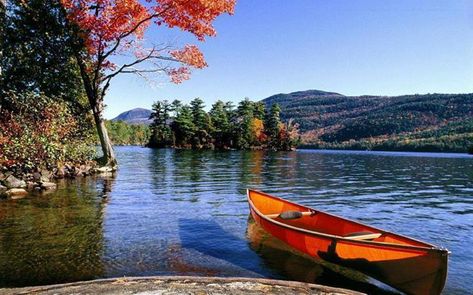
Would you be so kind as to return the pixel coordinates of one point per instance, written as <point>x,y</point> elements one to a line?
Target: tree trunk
<point>96,104</point>
<point>107,149</point>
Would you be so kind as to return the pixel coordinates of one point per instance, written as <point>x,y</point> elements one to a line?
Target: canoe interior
<point>412,266</point>
<point>323,222</point>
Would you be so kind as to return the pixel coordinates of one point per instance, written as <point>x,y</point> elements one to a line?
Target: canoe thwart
<point>362,236</point>
<point>291,214</point>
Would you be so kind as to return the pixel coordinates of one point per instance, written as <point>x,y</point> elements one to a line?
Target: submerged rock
<point>59,172</point>
<point>48,185</point>
<point>16,193</point>
<point>3,189</point>
<point>13,182</point>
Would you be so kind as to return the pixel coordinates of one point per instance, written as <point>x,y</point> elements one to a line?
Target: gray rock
<point>45,175</point>
<point>48,185</point>
<point>104,169</point>
<point>13,182</point>
<point>16,193</point>
<point>36,176</point>
<point>31,185</point>
<point>3,189</point>
<point>60,172</point>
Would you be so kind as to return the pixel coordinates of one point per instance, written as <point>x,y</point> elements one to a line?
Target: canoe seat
<point>362,235</point>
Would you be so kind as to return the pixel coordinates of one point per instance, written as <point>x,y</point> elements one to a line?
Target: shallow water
<point>178,212</point>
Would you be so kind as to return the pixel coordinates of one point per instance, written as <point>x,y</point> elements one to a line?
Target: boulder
<point>104,169</point>
<point>13,182</point>
<point>45,175</point>
<point>16,193</point>
<point>60,172</point>
<point>30,185</point>
<point>3,189</point>
<point>48,185</point>
<point>36,176</point>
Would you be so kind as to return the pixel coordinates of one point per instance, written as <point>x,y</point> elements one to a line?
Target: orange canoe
<point>409,265</point>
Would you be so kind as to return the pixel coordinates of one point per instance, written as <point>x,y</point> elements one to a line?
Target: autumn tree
<point>106,28</point>
<point>289,136</point>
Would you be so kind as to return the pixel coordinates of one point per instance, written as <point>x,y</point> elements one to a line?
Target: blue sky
<point>353,47</point>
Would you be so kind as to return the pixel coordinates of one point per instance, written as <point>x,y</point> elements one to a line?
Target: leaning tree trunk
<point>107,149</point>
<point>93,94</point>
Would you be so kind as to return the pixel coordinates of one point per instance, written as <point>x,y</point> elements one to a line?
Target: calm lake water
<point>171,212</point>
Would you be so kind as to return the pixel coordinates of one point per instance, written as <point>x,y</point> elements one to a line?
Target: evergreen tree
<point>202,123</point>
<point>183,127</point>
<point>221,131</point>
<point>259,110</point>
<point>243,133</point>
<point>272,126</point>
<point>161,134</point>
<point>176,106</point>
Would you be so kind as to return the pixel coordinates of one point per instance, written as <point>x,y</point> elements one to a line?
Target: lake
<point>180,212</point>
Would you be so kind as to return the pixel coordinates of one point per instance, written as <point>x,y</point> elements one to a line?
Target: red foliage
<point>112,26</point>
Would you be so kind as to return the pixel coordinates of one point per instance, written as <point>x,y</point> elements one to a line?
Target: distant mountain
<point>135,116</point>
<point>433,122</point>
<point>283,99</point>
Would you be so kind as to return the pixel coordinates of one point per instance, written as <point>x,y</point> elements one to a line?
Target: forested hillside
<point>431,122</point>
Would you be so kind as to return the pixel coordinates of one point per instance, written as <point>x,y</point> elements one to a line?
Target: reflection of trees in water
<point>251,164</point>
<point>56,237</point>
<point>284,261</point>
<point>158,165</point>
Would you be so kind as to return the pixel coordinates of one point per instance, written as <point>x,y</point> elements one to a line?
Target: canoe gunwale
<point>432,248</point>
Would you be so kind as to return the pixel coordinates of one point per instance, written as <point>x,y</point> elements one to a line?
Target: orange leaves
<point>105,21</point>
<point>191,56</point>
<point>108,27</point>
<point>179,75</point>
<point>257,130</point>
<point>194,16</point>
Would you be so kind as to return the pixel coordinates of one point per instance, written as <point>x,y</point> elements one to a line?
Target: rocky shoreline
<point>172,285</point>
<point>16,185</point>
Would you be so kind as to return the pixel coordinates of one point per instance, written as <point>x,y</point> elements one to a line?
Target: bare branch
<point>152,55</point>
<point>136,27</point>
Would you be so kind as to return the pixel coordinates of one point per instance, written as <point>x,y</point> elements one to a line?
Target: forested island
<point>247,126</point>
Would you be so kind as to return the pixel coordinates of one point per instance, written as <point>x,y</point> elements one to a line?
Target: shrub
<point>40,131</point>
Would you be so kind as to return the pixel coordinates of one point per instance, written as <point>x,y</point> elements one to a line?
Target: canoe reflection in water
<point>300,267</point>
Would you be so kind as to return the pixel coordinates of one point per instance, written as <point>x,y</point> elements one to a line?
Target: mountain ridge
<point>135,116</point>
<point>431,122</point>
